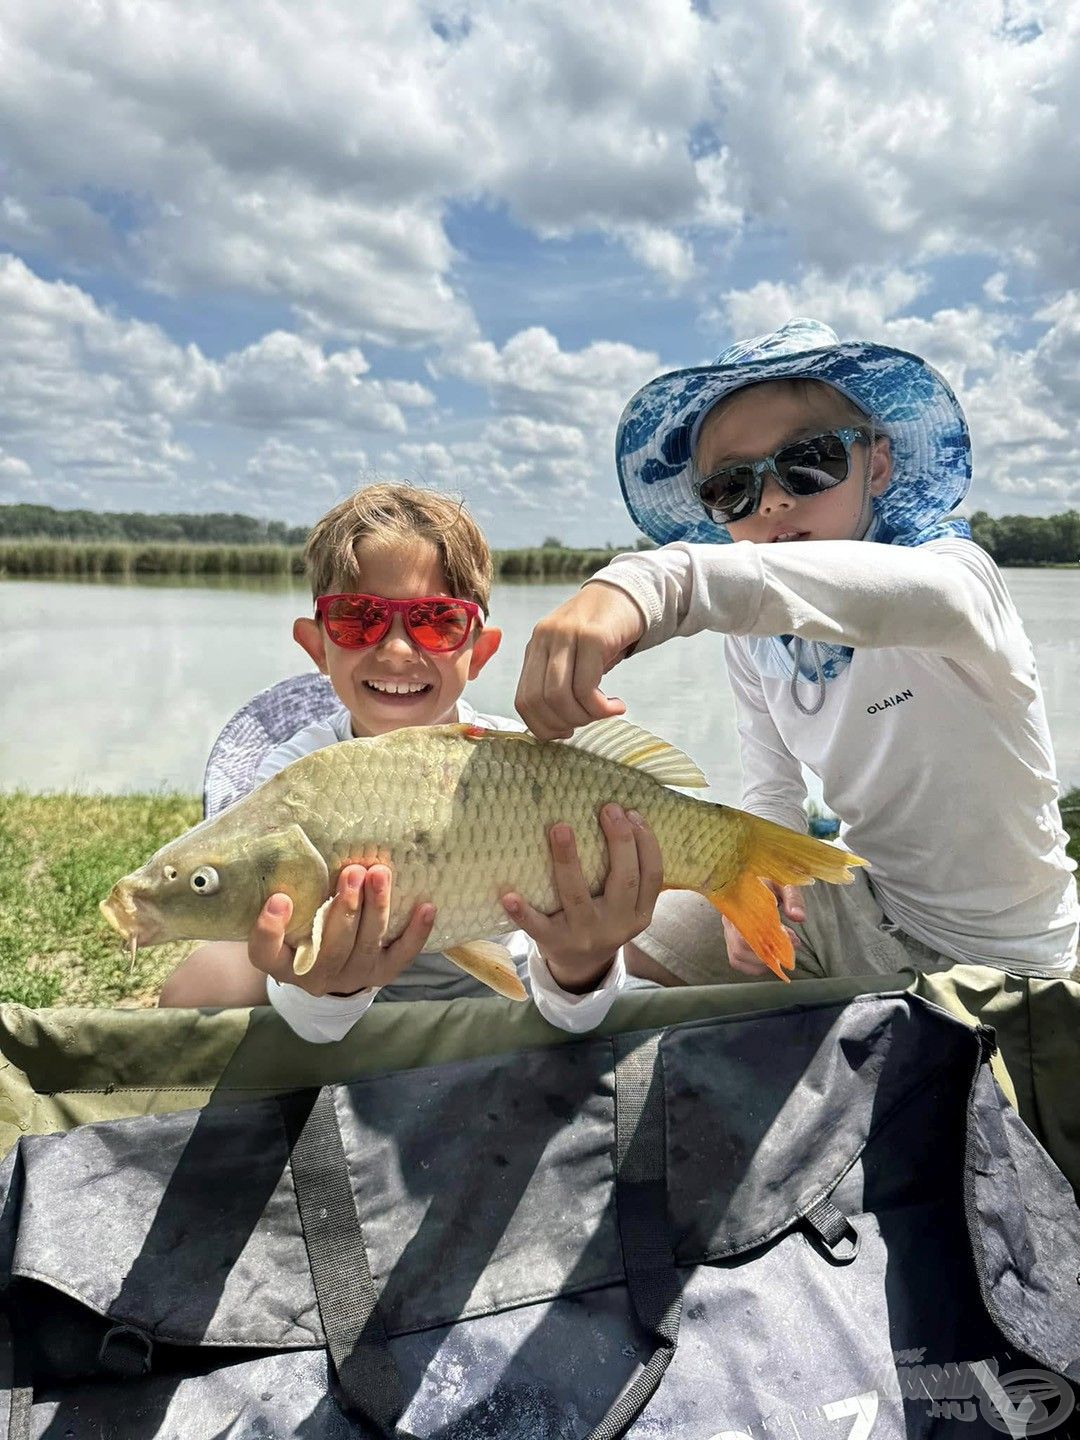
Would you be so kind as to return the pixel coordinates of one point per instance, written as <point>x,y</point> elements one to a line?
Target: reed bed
<point>76,560</point>
<point>118,560</point>
<point>549,562</point>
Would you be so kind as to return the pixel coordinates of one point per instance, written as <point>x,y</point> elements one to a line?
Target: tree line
<point>42,522</point>
<point>1010,539</point>
<point>1029,539</point>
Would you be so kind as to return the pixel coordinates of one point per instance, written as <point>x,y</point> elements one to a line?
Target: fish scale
<point>462,815</point>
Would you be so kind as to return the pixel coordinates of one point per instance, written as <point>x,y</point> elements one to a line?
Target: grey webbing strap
<point>641,1200</point>
<point>348,1305</point>
<point>833,1230</point>
<point>16,1397</point>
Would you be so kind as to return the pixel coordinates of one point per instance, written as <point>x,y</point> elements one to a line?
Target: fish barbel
<point>461,815</point>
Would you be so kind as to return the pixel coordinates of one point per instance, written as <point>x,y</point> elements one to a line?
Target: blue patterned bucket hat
<point>906,398</point>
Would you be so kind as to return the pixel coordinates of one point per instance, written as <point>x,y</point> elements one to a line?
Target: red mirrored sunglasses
<point>433,622</point>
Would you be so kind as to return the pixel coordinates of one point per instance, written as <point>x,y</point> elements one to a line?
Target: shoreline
<point>126,561</point>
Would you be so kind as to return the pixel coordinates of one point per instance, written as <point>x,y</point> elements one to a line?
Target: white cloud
<point>12,468</point>
<point>995,288</point>
<point>311,169</point>
<point>309,155</point>
<point>663,252</point>
<point>284,380</point>
<point>890,131</point>
<point>532,375</point>
<point>546,457</point>
<point>857,305</point>
<point>93,397</point>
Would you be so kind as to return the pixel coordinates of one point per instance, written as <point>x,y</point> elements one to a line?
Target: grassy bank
<point>59,854</point>
<point>129,561</point>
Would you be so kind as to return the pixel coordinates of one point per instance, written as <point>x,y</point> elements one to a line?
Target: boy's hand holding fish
<point>569,652</point>
<point>578,942</point>
<point>790,903</point>
<point>354,954</point>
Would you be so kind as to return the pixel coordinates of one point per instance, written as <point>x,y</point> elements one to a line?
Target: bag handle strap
<point>355,1336</point>
<point>348,1304</point>
<point>16,1392</point>
<point>644,1228</point>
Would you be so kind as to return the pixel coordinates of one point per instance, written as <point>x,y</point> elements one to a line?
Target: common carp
<point>461,815</point>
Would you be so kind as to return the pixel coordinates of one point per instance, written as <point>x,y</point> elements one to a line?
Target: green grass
<point>59,856</point>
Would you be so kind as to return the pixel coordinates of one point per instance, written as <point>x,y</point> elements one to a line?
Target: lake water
<point>124,687</point>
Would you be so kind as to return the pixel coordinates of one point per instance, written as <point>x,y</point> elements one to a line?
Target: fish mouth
<point>132,916</point>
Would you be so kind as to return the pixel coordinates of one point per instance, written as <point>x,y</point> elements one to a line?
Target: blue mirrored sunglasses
<point>804,467</point>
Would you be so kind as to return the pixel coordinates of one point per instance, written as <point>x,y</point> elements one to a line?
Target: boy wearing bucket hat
<point>897,671</point>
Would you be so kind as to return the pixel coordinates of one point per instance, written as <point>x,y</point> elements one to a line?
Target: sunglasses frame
<point>848,435</point>
<point>402,608</point>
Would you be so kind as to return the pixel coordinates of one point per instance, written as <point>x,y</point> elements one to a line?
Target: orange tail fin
<point>786,858</point>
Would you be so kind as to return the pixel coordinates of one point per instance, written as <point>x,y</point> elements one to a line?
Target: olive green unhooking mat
<point>61,1068</point>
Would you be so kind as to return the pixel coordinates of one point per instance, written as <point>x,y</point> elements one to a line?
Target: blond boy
<point>401,579</point>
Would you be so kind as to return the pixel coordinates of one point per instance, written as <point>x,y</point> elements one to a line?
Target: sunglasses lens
<point>729,493</point>
<point>811,466</point>
<point>438,625</point>
<point>355,624</point>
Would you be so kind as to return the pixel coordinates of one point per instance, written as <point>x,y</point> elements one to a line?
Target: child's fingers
<point>545,680</point>
<point>792,903</point>
<point>267,949</point>
<point>740,956</point>
<point>635,874</point>
<point>409,944</point>
<point>559,686</point>
<point>535,924</point>
<point>748,964</point>
<point>588,671</point>
<point>650,866</point>
<point>339,924</point>
<point>624,871</point>
<point>574,899</point>
<point>374,909</point>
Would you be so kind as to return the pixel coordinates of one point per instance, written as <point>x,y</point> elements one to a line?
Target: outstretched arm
<point>947,596</point>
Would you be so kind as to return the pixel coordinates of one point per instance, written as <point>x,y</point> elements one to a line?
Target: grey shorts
<point>845,933</point>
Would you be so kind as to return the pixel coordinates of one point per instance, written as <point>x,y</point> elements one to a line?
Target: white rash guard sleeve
<point>318,1018</point>
<point>325,1018</point>
<point>946,596</point>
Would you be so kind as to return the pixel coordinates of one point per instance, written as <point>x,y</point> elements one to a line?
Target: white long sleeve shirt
<point>431,975</point>
<point>932,746</point>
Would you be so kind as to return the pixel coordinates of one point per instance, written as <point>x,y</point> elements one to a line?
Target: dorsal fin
<point>629,744</point>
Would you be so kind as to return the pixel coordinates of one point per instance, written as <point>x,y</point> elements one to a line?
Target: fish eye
<point>205,881</point>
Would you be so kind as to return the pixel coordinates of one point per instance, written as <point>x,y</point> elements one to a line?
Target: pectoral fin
<point>307,952</point>
<point>491,964</point>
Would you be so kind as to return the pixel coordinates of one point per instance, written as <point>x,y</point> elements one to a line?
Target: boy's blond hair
<point>834,406</point>
<point>396,515</point>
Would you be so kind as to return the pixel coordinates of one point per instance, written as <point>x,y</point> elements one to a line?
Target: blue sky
<point>252,256</point>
